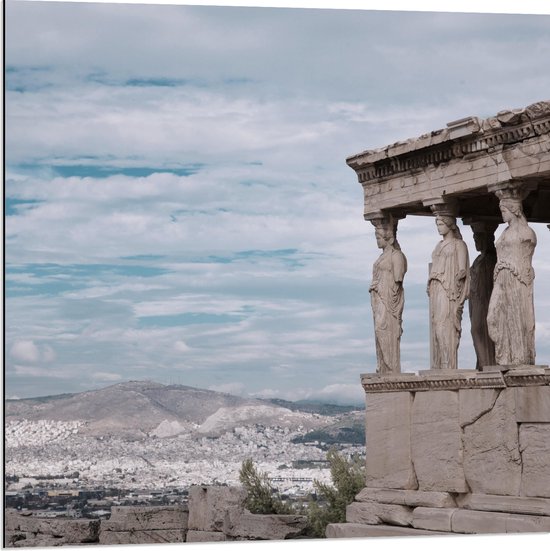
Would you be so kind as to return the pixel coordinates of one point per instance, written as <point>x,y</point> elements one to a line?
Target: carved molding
<point>434,380</point>
<point>460,139</point>
<point>527,376</point>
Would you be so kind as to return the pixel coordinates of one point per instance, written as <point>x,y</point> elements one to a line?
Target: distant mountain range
<point>137,408</point>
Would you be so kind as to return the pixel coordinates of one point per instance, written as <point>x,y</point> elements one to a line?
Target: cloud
<point>41,372</point>
<point>340,393</point>
<point>104,376</point>
<point>337,393</point>
<point>183,208</point>
<point>27,351</point>
<point>180,346</point>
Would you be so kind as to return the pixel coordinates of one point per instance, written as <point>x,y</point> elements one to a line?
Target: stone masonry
<point>471,455</point>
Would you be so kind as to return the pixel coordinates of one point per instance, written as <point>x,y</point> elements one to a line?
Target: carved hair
<point>450,222</point>
<point>389,231</point>
<point>513,205</point>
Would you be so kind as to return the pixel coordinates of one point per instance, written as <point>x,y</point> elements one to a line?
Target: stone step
<point>353,530</point>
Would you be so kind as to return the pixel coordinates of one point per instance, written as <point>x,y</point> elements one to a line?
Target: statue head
<point>510,207</point>
<point>484,235</point>
<point>384,234</point>
<point>446,224</point>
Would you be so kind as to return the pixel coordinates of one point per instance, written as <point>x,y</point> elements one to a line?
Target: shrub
<point>262,498</point>
<point>348,478</point>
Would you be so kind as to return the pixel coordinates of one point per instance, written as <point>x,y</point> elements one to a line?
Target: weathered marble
<point>195,536</point>
<point>28,527</point>
<point>388,425</point>
<point>436,442</point>
<point>209,506</point>
<point>532,404</point>
<point>481,286</point>
<point>124,518</point>
<point>387,296</point>
<point>130,537</point>
<point>266,527</point>
<point>534,442</point>
<point>430,518</point>
<point>351,530</point>
<point>474,403</point>
<point>505,504</point>
<point>411,498</point>
<point>492,463</point>
<point>511,314</point>
<point>477,522</point>
<point>448,288</point>
<point>371,512</point>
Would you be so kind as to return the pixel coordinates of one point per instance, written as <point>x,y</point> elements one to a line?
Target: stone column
<point>387,295</point>
<point>481,286</point>
<point>511,314</point>
<point>448,287</point>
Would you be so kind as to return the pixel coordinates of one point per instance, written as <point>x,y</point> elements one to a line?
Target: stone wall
<point>463,452</point>
<point>214,513</point>
<point>145,525</point>
<point>217,513</point>
<point>26,530</point>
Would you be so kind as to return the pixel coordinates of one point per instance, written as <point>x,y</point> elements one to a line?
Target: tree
<point>348,478</point>
<point>262,498</point>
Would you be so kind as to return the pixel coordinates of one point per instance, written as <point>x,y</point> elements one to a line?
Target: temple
<point>459,449</point>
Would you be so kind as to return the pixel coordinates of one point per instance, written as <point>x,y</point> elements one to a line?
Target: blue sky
<point>178,203</point>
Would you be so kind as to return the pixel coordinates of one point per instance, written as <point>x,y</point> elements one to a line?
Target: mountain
<point>139,408</point>
<point>142,434</point>
<point>308,406</point>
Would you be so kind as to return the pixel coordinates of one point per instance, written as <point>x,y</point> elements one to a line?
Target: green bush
<point>262,498</point>
<point>348,478</point>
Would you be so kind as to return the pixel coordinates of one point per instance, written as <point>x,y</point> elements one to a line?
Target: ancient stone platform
<point>214,513</point>
<point>455,451</point>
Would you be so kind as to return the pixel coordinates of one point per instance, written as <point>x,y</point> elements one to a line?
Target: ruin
<point>459,449</point>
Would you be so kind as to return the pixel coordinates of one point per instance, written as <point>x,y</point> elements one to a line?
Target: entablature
<point>461,162</point>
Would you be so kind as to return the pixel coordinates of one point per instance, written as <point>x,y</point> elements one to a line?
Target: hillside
<point>142,434</point>
<point>138,408</point>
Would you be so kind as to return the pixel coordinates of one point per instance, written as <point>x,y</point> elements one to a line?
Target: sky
<point>178,206</point>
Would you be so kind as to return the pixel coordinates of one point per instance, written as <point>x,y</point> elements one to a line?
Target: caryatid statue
<point>511,316</point>
<point>387,296</point>
<point>448,288</point>
<point>481,286</point>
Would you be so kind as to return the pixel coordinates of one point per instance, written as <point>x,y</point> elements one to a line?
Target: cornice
<point>460,139</point>
<point>458,379</point>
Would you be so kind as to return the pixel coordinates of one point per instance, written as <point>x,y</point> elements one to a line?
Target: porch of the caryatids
<point>387,295</point>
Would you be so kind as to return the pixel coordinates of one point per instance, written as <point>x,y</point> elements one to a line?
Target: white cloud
<point>48,353</point>
<point>25,351</point>
<point>47,372</point>
<point>338,393</point>
<point>341,393</point>
<point>180,346</point>
<point>104,376</point>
